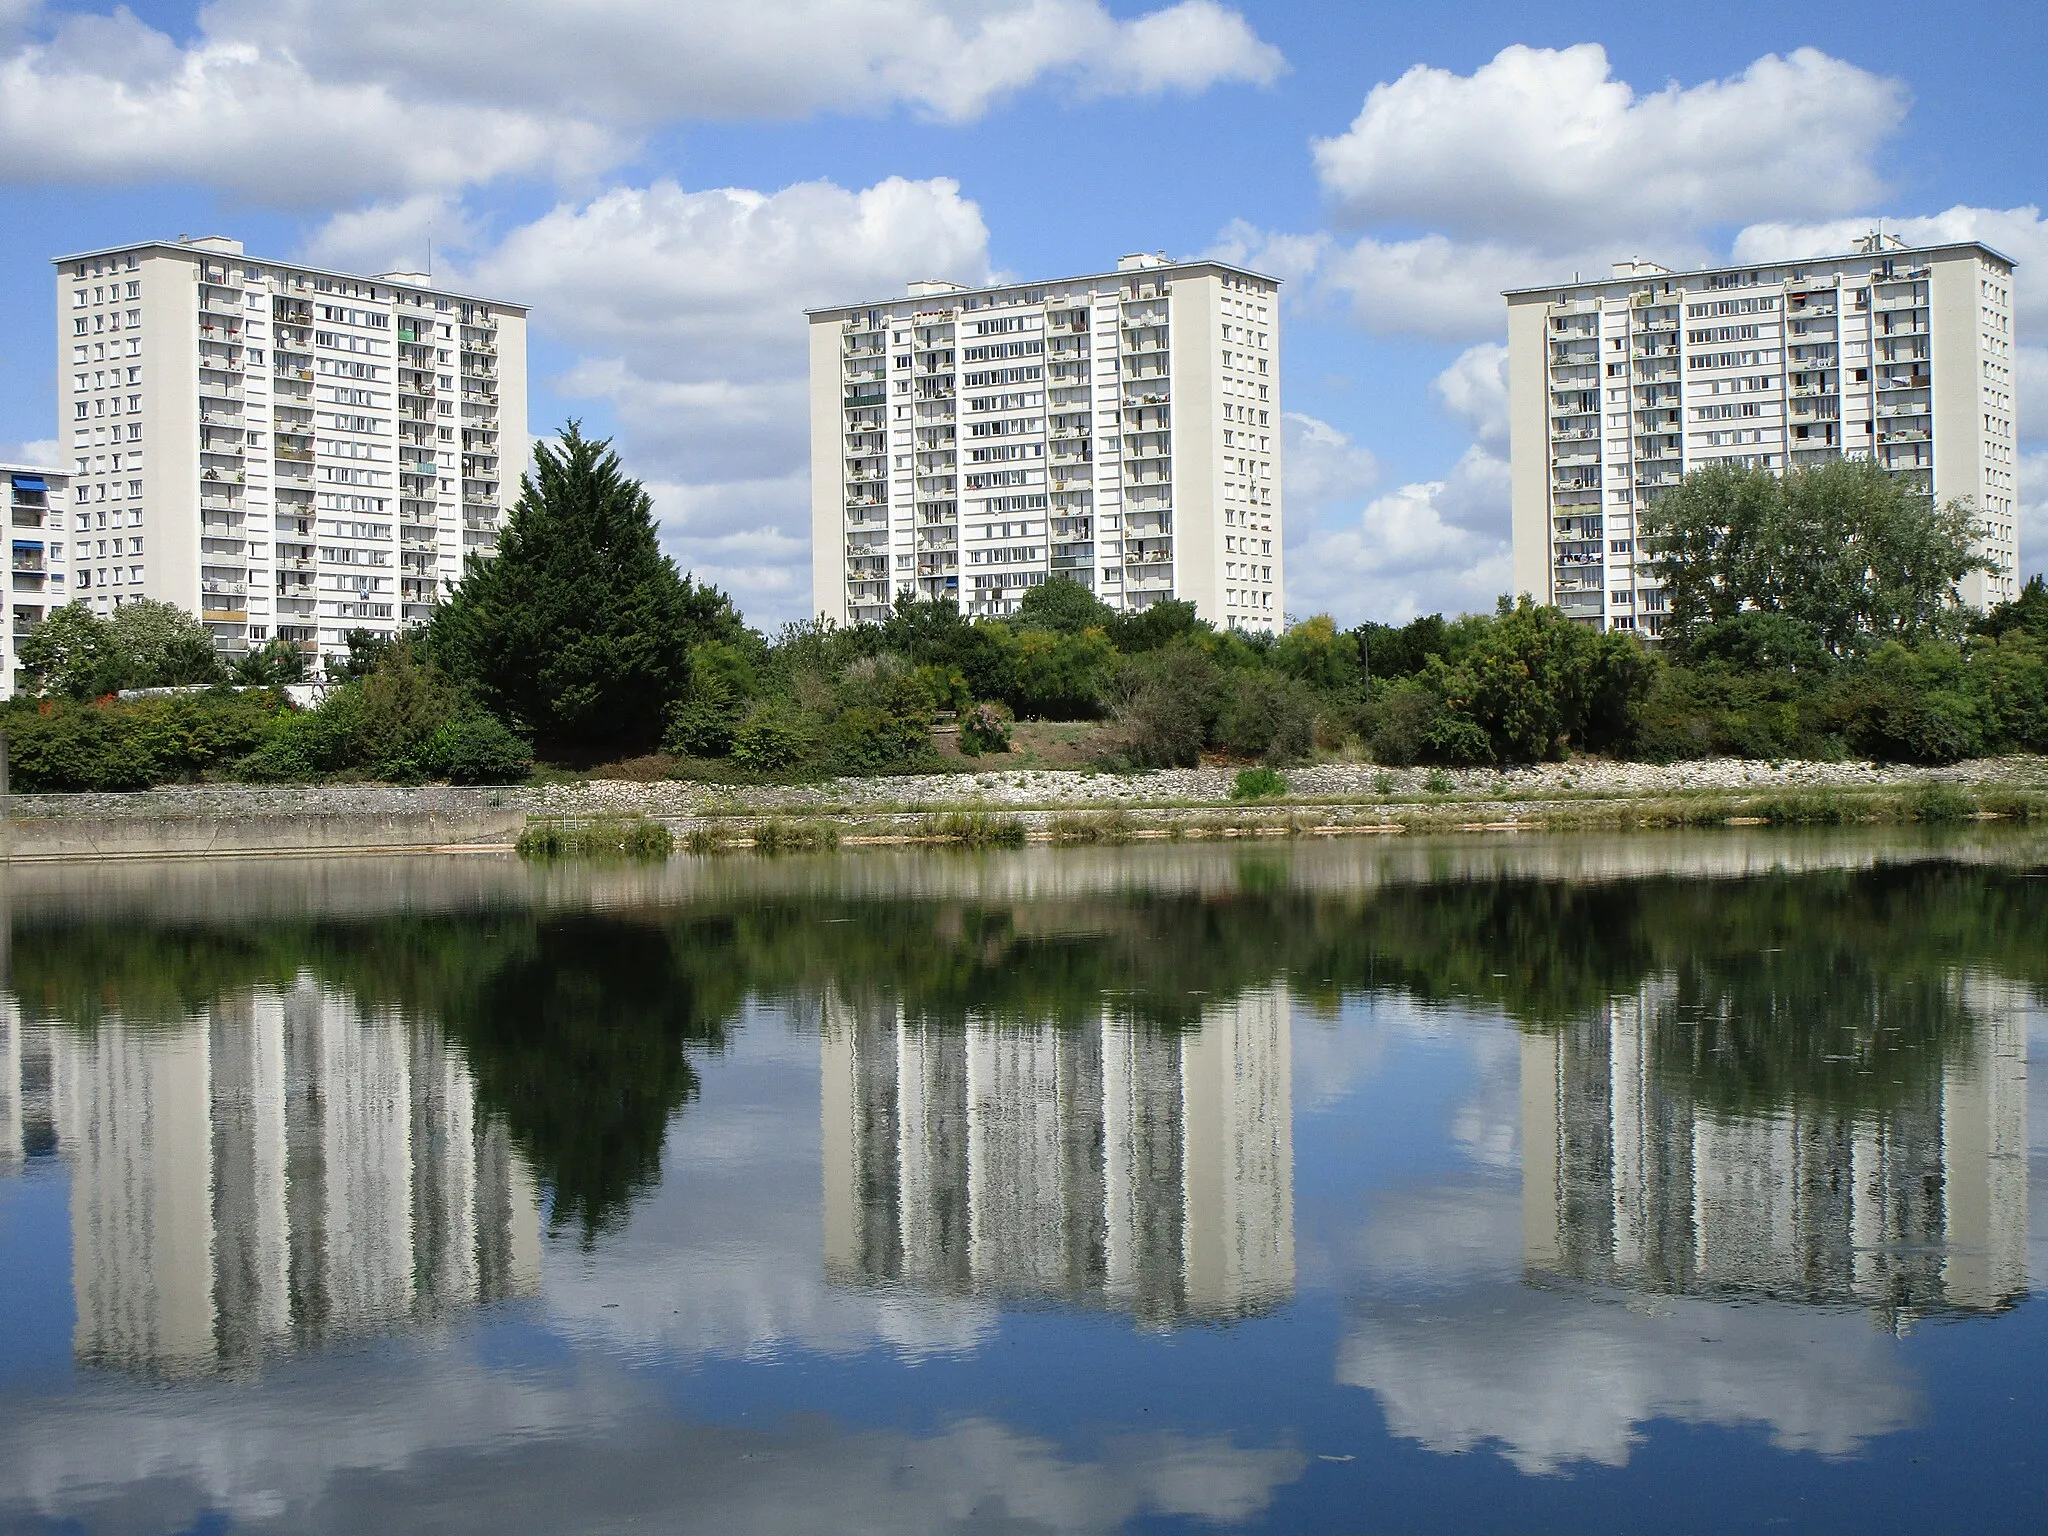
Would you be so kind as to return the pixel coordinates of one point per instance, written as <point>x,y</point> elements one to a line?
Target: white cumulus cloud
<point>1545,145</point>
<point>110,100</point>
<point>684,309</point>
<point>1475,390</point>
<point>1427,545</point>
<point>303,104</point>
<point>651,61</point>
<point>2033,512</point>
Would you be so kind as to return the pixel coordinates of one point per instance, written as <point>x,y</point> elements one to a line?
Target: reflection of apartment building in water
<point>1107,1165</point>
<point>1915,1208</point>
<point>280,1172</point>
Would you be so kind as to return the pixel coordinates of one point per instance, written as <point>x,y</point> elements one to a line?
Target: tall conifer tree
<point>579,630</point>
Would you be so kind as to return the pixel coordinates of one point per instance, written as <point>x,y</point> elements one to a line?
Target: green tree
<point>275,662</point>
<point>1529,683</point>
<point>366,648</point>
<point>1059,674</point>
<point>579,631</point>
<point>165,646</point>
<point>2027,612</point>
<point>72,655</point>
<point>1389,651</point>
<point>1318,654</point>
<point>76,654</point>
<point>1844,547</point>
<point>1061,604</point>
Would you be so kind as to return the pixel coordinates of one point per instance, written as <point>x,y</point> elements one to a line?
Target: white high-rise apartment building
<point>284,451</point>
<point>1121,429</point>
<point>38,500</point>
<point>1620,386</point>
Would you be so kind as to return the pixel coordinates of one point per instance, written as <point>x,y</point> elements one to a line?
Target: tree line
<point>1813,614</point>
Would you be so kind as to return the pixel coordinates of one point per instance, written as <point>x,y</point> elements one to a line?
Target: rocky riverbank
<point>194,820</point>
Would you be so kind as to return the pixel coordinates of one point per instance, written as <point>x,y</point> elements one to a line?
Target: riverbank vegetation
<point>1812,616</point>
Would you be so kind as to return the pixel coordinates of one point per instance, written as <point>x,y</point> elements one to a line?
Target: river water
<point>1691,1182</point>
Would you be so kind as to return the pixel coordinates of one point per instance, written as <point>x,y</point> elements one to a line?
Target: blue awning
<point>31,483</point>
<point>32,546</point>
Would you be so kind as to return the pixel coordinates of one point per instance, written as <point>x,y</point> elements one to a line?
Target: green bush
<point>58,745</point>
<point>700,728</point>
<point>1257,784</point>
<point>1394,721</point>
<point>985,728</point>
<point>632,837</point>
<point>1269,716</point>
<point>1939,804</point>
<point>1166,705</point>
<point>770,740</point>
<point>476,749</point>
<point>1059,676</point>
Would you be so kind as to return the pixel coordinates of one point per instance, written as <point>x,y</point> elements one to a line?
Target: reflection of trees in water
<point>578,1040</point>
<point>577,1024</point>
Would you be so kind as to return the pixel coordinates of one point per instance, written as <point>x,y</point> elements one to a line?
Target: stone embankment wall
<point>200,820</point>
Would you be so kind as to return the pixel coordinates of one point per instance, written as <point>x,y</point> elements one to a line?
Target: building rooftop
<point>220,245</point>
<point>1874,245</point>
<point>1159,263</point>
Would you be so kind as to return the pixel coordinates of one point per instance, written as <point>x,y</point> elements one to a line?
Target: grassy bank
<point>731,829</point>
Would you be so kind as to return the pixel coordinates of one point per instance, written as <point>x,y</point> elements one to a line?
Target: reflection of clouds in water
<point>1560,1377</point>
<point>1333,1056</point>
<point>1487,1126</point>
<point>459,1448</point>
<point>1555,1379</point>
<point>726,1256</point>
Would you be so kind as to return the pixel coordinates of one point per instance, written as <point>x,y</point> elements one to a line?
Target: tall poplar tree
<point>579,630</point>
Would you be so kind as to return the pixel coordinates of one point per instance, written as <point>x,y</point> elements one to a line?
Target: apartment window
<point>78,299</point>
<point>78,407</point>
<point>135,290</point>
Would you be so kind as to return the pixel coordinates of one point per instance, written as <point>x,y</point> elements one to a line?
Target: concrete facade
<point>1619,386</point>
<point>38,499</point>
<point>1121,430</point>
<point>285,451</point>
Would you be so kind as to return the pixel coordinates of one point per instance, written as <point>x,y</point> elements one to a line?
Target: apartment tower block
<point>1122,430</point>
<point>1619,387</point>
<point>285,451</point>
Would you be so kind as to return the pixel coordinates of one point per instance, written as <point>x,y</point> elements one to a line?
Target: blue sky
<point>669,182</point>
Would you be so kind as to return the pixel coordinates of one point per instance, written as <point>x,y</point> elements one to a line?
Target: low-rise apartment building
<point>39,567</point>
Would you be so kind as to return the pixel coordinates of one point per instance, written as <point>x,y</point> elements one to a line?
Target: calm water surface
<point>1681,1183</point>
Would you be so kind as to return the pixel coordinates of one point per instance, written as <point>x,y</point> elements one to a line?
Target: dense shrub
<point>1257,784</point>
<point>475,749</point>
<point>1165,705</point>
<point>985,728</point>
<point>1263,715</point>
<point>133,744</point>
<point>770,740</point>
